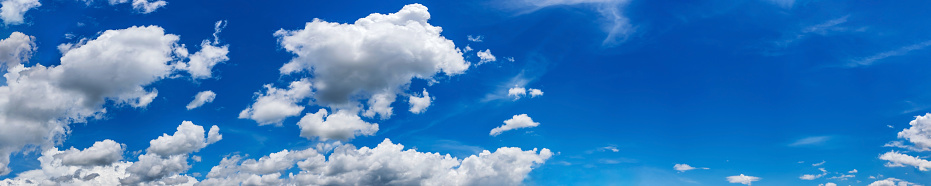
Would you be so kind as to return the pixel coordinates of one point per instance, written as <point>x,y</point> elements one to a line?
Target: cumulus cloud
<point>276,104</point>
<point>12,11</point>
<point>101,165</point>
<point>742,179</point>
<point>919,133</point>
<point>342,125</point>
<point>373,59</point>
<point>485,56</point>
<point>16,49</point>
<point>420,104</point>
<point>685,167</point>
<point>892,182</point>
<point>38,102</point>
<point>211,53</point>
<point>386,164</point>
<point>516,122</point>
<point>814,176</point>
<point>101,153</point>
<point>518,92</point>
<point>201,98</point>
<point>189,138</point>
<point>896,159</point>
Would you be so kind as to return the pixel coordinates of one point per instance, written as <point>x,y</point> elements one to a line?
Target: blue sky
<point>559,92</point>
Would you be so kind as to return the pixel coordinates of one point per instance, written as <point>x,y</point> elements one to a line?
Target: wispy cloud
<point>615,24</point>
<point>810,141</point>
<point>892,53</point>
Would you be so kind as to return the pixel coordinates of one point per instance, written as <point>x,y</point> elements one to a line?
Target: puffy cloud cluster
<point>518,92</point>
<point>485,56</point>
<point>516,122</point>
<point>16,49</point>
<point>372,59</point>
<point>814,176</point>
<point>38,102</point>
<point>163,164</point>
<point>201,98</point>
<point>342,125</point>
<point>276,104</point>
<point>742,179</point>
<point>892,182</point>
<point>12,11</point>
<point>919,134</point>
<point>684,167</point>
<point>386,164</point>
<point>420,104</point>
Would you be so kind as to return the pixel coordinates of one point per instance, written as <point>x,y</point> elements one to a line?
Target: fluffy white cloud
<point>372,59</point>
<point>485,56</point>
<point>342,125</point>
<point>919,133</point>
<point>201,98</point>
<point>16,49</point>
<point>742,179</point>
<point>814,176</point>
<point>189,138</point>
<point>275,104</point>
<point>420,104</point>
<point>685,167</point>
<point>141,6</point>
<point>892,182</point>
<point>386,164</point>
<point>12,11</point>
<point>39,102</point>
<point>101,153</point>
<point>517,92</point>
<point>211,53</point>
<point>516,122</point>
<point>897,159</point>
<point>100,165</point>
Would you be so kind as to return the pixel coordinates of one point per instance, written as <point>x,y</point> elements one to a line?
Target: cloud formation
<point>685,167</point>
<point>342,125</point>
<point>16,49</point>
<point>742,179</point>
<point>420,104</point>
<point>12,11</point>
<point>274,105</point>
<point>201,98</point>
<point>38,102</point>
<point>516,122</point>
<point>386,164</point>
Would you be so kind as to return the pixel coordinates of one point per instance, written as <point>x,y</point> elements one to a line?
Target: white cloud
<point>478,38</point>
<point>892,53</point>
<point>828,184</point>
<point>38,102</point>
<point>141,6</point>
<point>814,176</point>
<point>517,92</point>
<point>200,65</point>
<point>742,179</point>
<point>852,171</point>
<point>510,59</point>
<point>485,56</point>
<point>16,49</point>
<point>276,104</point>
<point>101,153</point>
<point>189,138</point>
<point>378,56</point>
<point>342,125</point>
<point>897,159</point>
<point>891,182</point>
<point>101,165</point>
<point>201,98</point>
<point>386,164</point>
<point>818,164</point>
<point>809,141</point>
<point>420,104</point>
<point>614,23</point>
<point>685,167</point>
<point>535,92</point>
<point>516,122</point>
<point>611,148</point>
<point>12,11</point>
<point>919,133</point>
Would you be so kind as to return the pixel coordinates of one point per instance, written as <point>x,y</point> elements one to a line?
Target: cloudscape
<point>475,92</point>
